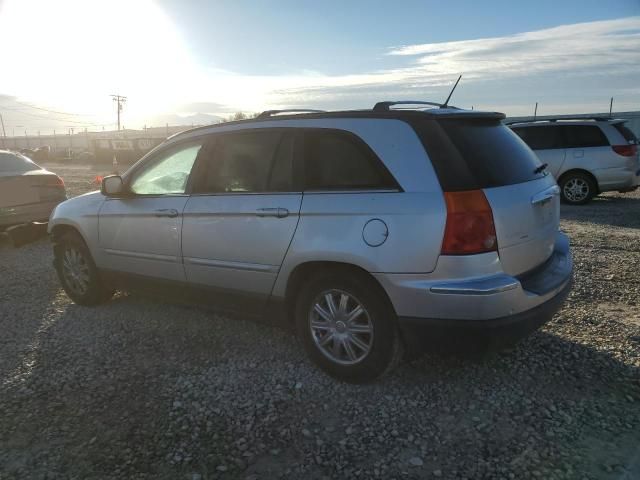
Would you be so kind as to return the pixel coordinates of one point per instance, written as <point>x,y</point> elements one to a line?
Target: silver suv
<point>371,231</point>
<point>586,156</point>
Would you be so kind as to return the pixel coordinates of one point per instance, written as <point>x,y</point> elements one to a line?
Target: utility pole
<point>120,100</point>
<point>535,111</point>
<point>4,133</point>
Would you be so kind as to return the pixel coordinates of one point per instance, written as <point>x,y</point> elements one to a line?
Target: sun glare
<point>73,54</point>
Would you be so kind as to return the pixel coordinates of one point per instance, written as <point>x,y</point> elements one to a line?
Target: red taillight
<point>469,227</point>
<point>57,181</point>
<point>625,150</point>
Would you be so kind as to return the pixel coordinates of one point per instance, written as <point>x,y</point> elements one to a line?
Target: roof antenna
<point>446,102</point>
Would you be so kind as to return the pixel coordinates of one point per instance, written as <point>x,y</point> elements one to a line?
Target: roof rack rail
<point>555,119</point>
<point>270,113</point>
<point>385,106</point>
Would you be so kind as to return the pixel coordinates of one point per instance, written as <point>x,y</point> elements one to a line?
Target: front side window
<point>249,162</point>
<point>340,161</point>
<point>168,174</point>
<point>541,137</point>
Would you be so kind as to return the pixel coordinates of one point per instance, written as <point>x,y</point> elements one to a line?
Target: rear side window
<point>16,163</point>
<point>542,137</point>
<point>475,153</point>
<point>248,162</point>
<point>335,160</point>
<point>584,136</point>
<point>628,135</point>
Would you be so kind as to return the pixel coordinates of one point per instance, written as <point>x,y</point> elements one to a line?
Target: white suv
<point>586,156</point>
<point>369,230</point>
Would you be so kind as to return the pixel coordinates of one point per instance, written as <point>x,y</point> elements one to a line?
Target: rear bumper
<point>493,303</point>
<point>494,333</point>
<point>33,212</point>
<point>620,178</point>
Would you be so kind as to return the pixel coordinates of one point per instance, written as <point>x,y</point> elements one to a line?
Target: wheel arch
<point>584,172</point>
<point>307,270</point>
<point>61,229</point>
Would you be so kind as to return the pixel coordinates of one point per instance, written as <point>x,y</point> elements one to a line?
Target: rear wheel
<point>577,188</point>
<point>348,329</point>
<point>78,273</point>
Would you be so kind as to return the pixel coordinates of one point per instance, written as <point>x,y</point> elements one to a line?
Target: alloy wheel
<point>576,189</point>
<point>341,327</point>
<point>75,271</point>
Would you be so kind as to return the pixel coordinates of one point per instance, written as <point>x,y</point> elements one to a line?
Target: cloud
<point>569,53</point>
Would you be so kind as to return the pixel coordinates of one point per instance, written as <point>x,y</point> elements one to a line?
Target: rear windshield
<point>628,135</point>
<point>477,153</point>
<point>10,162</point>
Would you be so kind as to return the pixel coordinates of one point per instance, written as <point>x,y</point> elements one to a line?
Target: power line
<point>63,120</point>
<point>48,110</point>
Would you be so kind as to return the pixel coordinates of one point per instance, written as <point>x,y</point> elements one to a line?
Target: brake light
<point>470,228</point>
<point>625,150</point>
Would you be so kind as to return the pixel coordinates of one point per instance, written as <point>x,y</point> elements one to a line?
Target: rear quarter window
<point>626,132</point>
<point>337,160</point>
<point>477,153</point>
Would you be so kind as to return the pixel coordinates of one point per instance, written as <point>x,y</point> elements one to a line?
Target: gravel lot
<point>141,389</point>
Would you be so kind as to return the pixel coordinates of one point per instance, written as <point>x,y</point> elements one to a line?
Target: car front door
<point>240,220</point>
<point>140,232</point>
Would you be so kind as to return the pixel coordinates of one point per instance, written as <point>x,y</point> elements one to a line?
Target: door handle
<point>545,195</point>
<point>277,212</point>
<point>167,212</point>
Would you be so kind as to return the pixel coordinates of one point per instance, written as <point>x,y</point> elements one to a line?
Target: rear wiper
<point>541,168</point>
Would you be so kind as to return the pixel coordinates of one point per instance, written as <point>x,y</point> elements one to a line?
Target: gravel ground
<point>138,388</point>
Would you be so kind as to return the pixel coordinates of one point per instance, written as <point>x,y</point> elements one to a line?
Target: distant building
<point>127,145</point>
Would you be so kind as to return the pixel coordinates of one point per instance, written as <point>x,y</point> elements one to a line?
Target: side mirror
<point>112,186</point>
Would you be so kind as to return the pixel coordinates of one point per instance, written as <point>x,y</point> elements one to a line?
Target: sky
<point>194,61</point>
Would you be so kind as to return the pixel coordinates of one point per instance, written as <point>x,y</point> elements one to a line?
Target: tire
<point>577,188</point>
<point>360,356</point>
<point>78,273</point>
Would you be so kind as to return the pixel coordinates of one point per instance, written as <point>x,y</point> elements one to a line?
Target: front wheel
<point>347,328</point>
<point>577,188</point>
<point>78,273</point>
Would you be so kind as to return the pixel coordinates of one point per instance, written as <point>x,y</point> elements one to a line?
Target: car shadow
<point>38,295</point>
<point>614,210</point>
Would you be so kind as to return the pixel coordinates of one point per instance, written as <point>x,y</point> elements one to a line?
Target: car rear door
<point>243,213</point>
<point>140,233</point>
<point>548,142</point>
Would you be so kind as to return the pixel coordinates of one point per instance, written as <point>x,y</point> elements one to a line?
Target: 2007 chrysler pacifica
<point>369,229</point>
